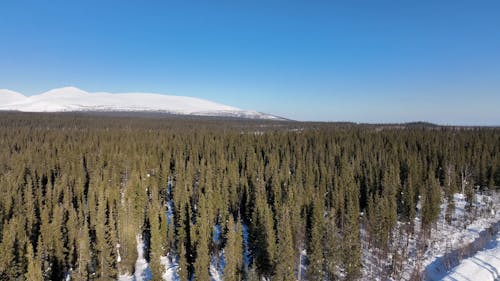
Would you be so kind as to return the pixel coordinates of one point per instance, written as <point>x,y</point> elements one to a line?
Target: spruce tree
<point>350,229</point>
<point>285,256</point>
<point>202,228</point>
<point>331,248</point>
<point>34,270</point>
<point>315,244</point>
<point>233,252</point>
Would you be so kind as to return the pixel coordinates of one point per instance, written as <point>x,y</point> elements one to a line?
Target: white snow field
<point>484,266</point>
<point>70,99</point>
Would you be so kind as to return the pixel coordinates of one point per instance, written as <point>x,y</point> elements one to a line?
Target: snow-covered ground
<point>142,270</point>
<point>426,259</point>
<point>74,99</point>
<point>171,267</point>
<point>465,229</point>
<point>484,266</point>
<point>218,260</point>
<point>246,245</point>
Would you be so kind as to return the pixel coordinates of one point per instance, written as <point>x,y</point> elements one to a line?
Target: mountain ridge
<point>72,99</point>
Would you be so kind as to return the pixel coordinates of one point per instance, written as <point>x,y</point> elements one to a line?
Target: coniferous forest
<point>275,200</point>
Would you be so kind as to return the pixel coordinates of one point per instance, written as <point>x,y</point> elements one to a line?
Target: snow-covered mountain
<point>7,97</point>
<point>73,99</point>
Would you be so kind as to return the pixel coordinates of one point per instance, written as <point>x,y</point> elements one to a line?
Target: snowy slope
<point>7,97</point>
<point>74,99</point>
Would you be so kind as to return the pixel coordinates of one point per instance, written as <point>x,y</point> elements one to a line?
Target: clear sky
<point>362,61</point>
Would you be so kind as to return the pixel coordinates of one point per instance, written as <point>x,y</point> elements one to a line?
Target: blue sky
<point>362,61</point>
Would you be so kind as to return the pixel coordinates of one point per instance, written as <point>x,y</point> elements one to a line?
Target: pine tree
<point>183,243</point>
<point>34,270</point>
<point>202,227</point>
<point>158,247</point>
<point>233,251</point>
<point>105,245</point>
<point>391,187</point>
<point>285,256</point>
<point>263,239</point>
<point>331,249</point>
<point>431,200</point>
<point>408,202</point>
<point>84,260</point>
<point>10,267</point>
<point>315,245</point>
<point>350,228</point>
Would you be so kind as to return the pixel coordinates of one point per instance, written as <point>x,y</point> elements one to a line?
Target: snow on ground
<point>142,270</point>
<point>218,260</point>
<point>464,229</point>
<point>246,245</point>
<point>440,267</point>
<point>118,256</point>
<point>215,273</point>
<point>484,266</point>
<point>171,267</point>
<point>303,264</point>
<point>170,203</point>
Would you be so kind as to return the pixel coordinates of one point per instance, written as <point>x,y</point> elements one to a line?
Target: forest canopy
<point>73,187</point>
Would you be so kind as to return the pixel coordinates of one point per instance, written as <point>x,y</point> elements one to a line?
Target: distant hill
<point>71,99</point>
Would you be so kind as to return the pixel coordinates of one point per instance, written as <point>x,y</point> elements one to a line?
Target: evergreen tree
<point>431,200</point>
<point>81,271</point>
<point>263,239</point>
<point>202,228</point>
<point>34,270</point>
<point>285,256</point>
<point>315,245</point>
<point>350,228</point>
<point>233,251</point>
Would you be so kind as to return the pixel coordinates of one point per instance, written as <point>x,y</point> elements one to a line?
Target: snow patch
<point>246,245</point>
<point>142,270</point>
<point>215,274</point>
<point>171,268</point>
